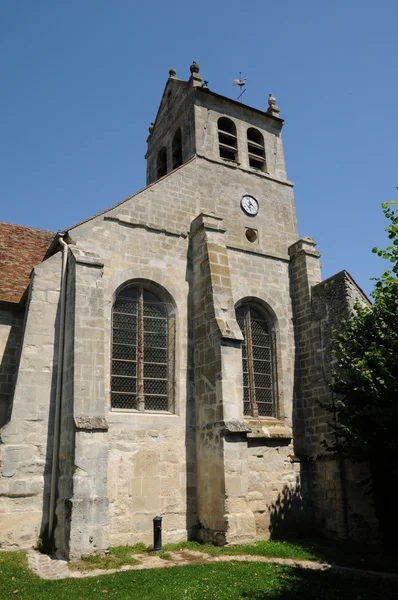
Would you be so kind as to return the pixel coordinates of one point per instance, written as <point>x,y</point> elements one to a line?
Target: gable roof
<point>132,196</point>
<point>21,249</point>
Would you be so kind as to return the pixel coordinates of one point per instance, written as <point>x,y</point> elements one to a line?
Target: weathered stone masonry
<point>211,472</point>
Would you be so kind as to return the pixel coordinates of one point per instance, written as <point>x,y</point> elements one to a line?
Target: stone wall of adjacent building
<point>340,506</point>
<point>25,452</point>
<point>11,331</point>
<point>344,506</point>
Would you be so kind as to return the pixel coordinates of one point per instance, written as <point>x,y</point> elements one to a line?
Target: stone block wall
<point>223,511</point>
<point>345,506</point>
<point>278,481</point>
<point>146,238</point>
<point>11,331</point>
<point>67,425</point>
<point>278,489</point>
<point>151,460</point>
<point>340,507</point>
<point>209,109</point>
<point>25,452</point>
<point>151,471</point>
<point>176,111</point>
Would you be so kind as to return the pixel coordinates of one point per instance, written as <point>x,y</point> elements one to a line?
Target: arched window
<point>227,140</point>
<point>177,149</point>
<point>256,150</point>
<point>258,362</point>
<point>143,340</point>
<point>162,162</point>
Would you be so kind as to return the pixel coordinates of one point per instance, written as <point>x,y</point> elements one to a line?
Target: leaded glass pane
<point>141,367</point>
<point>258,392</point>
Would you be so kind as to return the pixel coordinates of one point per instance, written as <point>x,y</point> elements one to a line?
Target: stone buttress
<point>82,507</point>
<point>223,511</point>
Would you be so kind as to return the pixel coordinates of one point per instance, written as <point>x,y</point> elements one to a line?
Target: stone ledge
<point>269,429</point>
<point>233,426</point>
<point>237,165</point>
<point>89,259</point>
<point>237,427</point>
<point>84,422</point>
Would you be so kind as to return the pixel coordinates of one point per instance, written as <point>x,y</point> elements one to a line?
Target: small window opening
<point>227,140</point>
<point>256,150</point>
<point>177,149</point>
<point>162,162</point>
<point>251,235</point>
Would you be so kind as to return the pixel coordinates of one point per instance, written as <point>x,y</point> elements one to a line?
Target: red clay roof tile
<point>21,249</point>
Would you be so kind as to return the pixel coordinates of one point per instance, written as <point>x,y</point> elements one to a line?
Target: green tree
<point>366,381</point>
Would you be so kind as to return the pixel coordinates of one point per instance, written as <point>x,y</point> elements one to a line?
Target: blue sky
<point>81,81</point>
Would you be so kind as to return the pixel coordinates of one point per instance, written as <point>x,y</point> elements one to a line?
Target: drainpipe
<point>58,390</point>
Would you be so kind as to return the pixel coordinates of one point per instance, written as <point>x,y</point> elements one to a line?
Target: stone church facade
<point>171,355</point>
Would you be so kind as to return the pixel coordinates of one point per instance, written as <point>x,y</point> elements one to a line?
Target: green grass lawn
<point>363,556</point>
<point>223,581</point>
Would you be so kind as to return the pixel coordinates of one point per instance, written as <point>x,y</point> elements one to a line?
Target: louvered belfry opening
<point>177,149</point>
<point>258,363</point>
<point>256,149</point>
<point>162,163</point>
<point>142,373</point>
<point>227,140</point>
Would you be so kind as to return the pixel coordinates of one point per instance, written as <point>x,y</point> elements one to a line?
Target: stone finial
<point>172,73</point>
<point>151,128</point>
<point>194,68</point>
<point>195,78</point>
<point>272,107</point>
<point>304,246</point>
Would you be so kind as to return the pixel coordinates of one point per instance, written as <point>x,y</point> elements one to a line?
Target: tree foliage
<point>366,381</point>
<point>367,353</point>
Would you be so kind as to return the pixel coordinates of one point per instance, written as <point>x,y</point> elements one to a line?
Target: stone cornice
<point>237,165</point>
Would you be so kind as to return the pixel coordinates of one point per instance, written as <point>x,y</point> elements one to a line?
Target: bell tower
<point>240,153</point>
<point>242,136</point>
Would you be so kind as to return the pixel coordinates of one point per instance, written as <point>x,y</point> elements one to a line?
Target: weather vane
<point>241,83</point>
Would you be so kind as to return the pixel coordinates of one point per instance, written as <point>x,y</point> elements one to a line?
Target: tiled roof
<point>21,249</point>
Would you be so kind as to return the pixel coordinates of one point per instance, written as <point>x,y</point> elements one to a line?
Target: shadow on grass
<point>290,514</point>
<point>316,585</point>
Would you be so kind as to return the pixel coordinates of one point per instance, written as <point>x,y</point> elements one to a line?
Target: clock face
<point>249,205</point>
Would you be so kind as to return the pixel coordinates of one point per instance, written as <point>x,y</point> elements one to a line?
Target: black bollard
<point>157,534</point>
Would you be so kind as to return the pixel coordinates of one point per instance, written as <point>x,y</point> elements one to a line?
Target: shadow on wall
<point>190,423</point>
<point>12,322</point>
<point>44,534</point>
<point>289,515</point>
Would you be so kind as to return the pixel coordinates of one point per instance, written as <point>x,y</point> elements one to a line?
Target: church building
<point>171,355</point>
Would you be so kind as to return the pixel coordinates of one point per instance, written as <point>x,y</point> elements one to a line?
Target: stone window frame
<point>270,317</point>
<point>166,299</point>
